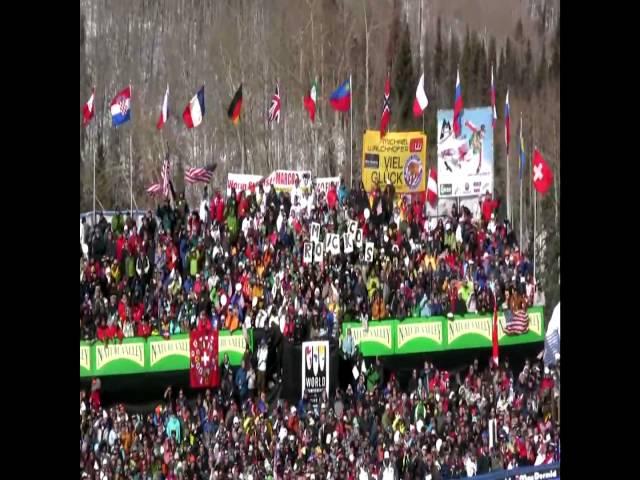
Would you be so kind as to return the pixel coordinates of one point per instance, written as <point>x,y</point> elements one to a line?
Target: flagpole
<point>521,175</point>
<point>94,186</point>
<point>508,188</point>
<point>130,159</point>
<point>535,221</point>
<point>351,126</point>
<point>193,142</point>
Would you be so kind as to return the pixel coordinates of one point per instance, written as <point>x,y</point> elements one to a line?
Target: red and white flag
<point>542,173</point>
<point>494,334</point>
<point>421,101</point>
<point>166,167</point>
<point>432,187</point>
<point>274,109</point>
<point>88,109</point>
<point>386,109</point>
<point>155,189</point>
<point>164,111</point>
<point>203,352</point>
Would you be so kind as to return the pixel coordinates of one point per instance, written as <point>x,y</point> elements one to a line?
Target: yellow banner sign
<point>399,158</point>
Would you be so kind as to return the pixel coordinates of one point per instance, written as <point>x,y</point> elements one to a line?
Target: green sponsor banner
<point>416,335</point>
<point>378,339</point>
<point>156,354</point>
<point>475,331</point>
<point>434,334</point>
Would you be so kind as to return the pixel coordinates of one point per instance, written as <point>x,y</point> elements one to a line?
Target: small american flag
<point>517,322</point>
<point>155,189</point>
<point>274,109</point>
<point>166,168</point>
<point>199,174</point>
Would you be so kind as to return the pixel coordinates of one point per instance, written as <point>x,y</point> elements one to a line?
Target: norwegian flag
<point>88,109</point>
<point>166,168</point>
<point>155,189</point>
<point>274,109</point>
<point>517,323</point>
<point>386,109</point>
<point>199,174</point>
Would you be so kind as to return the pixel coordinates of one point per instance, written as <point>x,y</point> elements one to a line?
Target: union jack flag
<point>517,322</point>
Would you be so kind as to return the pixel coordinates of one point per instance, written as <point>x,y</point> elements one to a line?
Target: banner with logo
<point>400,157</point>
<point>242,182</point>
<point>378,339</point>
<point>322,185</point>
<point>135,355</point>
<point>315,369</point>
<point>417,335</point>
<point>465,164</point>
<point>285,180</point>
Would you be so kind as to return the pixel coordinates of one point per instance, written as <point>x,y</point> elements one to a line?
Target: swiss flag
<point>542,174</point>
<point>432,187</point>
<point>203,353</point>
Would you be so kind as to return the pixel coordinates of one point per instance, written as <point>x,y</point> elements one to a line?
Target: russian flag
<point>507,122</point>
<point>164,112</point>
<point>458,108</point>
<point>194,110</point>
<point>121,107</point>
<point>340,99</point>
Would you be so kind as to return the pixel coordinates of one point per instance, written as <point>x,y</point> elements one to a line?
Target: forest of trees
<point>222,43</point>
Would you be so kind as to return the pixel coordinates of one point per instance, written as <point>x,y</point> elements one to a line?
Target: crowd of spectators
<point>440,425</point>
<point>235,262</point>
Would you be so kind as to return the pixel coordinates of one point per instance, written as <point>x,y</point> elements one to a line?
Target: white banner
<point>315,232</point>
<point>315,369</point>
<point>318,252</point>
<point>358,237</point>
<point>242,182</point>
<point>348,243</point>
<point>332,243</point>
<point>286,179</point>
<point>368,252</point>
<point>324,183</point>
<point>307,253</point>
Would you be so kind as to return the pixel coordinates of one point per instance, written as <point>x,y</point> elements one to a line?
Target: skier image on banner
<point>475,142</point>
<point>463,154</point>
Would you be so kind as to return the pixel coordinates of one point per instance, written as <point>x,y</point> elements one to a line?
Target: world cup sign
<point>315,369</point>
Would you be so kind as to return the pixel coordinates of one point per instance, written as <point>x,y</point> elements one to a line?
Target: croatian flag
<point>340,99</point>
<point>457,108</point>
<point>507,123</point>
<point>164,112</point>
<point>194,110</point>
<point>121,107</point>
<point>88,109</point>
<point>493,100</point>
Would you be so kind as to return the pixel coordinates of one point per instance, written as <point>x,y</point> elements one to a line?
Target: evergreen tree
<point>510,64</point>
<point>438,60</point>
<point>541,75</point>
<point>554,68</point>
<point>454,59</point>
<point>466,67</point>
<point>519,33</point>
<point>492,56</point>
<point>403,82</point>
<point>527,71</point>
<point>394,35</point>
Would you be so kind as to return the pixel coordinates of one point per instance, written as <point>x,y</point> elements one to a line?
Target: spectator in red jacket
<point>488,206</point>
<point>332,197</point>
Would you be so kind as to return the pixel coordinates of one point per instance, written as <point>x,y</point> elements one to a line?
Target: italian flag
<point>310,100</point>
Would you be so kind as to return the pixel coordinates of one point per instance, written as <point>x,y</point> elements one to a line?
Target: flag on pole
<point>494,335</point>
<point>194,111</point>
<point>199,174</point>
<point>166,167</point>
<point>121,107</point>
<point>155,189</point>
<point>421,101</point>
<point>235,107</point>
<point>493,100</point>
<point>88,109</point>
<point>340,99</point>
<point>507,122</point>
<point>432,187</point>
<point>274,110</point>
<point>542,173</point>
<point>458,108</point>
<point>164,111</point>
<point>523,158</point>
<point>310,100</point>
<point>386,108</point>
<point>203,354</point>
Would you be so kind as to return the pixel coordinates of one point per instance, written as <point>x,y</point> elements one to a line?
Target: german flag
<point>235,107</point>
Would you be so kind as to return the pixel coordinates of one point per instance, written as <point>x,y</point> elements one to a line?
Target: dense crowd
<point>235,262</point>
<point>440,425</point>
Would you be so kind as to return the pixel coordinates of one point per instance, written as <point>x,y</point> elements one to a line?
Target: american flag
<point>199,174</point>
<point>166,168</point>
<point>155,189</point>
<point>517,322</point>
<point>274,109</point>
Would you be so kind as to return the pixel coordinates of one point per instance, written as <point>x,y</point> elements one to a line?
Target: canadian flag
<point>88,109</point>
<point>542,173</point>
<point>432,187</point>
<point>421,101</point>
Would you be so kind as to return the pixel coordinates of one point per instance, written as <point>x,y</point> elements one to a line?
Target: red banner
<point>203,352</point>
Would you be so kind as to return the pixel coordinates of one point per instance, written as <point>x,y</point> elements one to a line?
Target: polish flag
<point>88,109</point>
<point>164,112</point>
<point>421,101</point>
